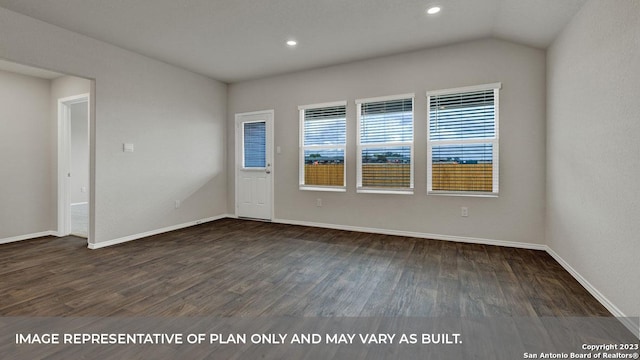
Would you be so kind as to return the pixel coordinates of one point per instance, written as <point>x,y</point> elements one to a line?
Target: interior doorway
<point>73,166</point>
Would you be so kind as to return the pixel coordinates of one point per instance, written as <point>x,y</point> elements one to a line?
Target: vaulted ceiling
<point>235,40</point>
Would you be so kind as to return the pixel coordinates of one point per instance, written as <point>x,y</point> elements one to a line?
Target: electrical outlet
<point>177,204</point>
<point>319,202</point>
<point>464,211</point>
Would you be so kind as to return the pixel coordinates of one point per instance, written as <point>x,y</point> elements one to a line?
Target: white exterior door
<point>254,177</point>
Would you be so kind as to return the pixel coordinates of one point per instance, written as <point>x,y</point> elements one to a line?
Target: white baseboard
<point>626,321</point>
<point>28,236</point>
<point>463,239</point>
<point>153,232</point>
<point>471,240</point>
<point>79,203</point>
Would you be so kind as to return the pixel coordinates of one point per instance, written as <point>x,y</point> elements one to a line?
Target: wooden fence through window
<point>446,176</point>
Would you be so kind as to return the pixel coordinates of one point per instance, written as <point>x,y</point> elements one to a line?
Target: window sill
<point>385,191</point>
<point>463,194</point>
<point>323,188</point>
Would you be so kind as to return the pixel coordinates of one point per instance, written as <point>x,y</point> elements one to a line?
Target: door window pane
<point>255,149</point>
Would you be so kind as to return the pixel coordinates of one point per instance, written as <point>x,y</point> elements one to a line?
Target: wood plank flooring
<point>245,268</point>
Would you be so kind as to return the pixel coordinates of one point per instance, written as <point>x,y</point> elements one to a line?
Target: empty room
<point>320,179</point>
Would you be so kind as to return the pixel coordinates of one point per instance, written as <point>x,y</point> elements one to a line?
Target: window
<point>323,132</point>
<point>462,141</point>
<point>253,135</point>
<point>385,144</point>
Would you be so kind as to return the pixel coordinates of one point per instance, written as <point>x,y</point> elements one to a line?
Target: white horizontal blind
<point>254,144</point>
<point>463,116</point>
<point>463,141</point>
<point>385,147</point>
<point>323,144</point>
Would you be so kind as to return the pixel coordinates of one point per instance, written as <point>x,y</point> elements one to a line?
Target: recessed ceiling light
<point>433,10</point>
<point>292,43</point>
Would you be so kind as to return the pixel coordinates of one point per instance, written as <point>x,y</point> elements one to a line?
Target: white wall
<point>517,215</point>
<point>25,184</point>
<point>79,157</point>
<point>175,118</point>
<point>593,149</point>
<point>65,86</point>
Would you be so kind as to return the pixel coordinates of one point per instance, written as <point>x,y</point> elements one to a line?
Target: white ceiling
<point>235,40</point>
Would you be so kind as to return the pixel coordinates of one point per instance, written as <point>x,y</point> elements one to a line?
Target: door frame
<point>270,158</point>
<point>64,159</point>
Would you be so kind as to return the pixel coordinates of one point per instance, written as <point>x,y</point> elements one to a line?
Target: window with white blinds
<point>385,144</point>
<point>254,144</point>
<point>462,140</point>
<point>323,133</point>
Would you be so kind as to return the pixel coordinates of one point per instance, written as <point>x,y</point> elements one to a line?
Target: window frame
<point>360,146</point>
<point>493,141</point>
<point>302,148</point>
<point>244,152</point>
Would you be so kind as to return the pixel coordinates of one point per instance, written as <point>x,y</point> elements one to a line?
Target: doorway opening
<point>73,165</point>
<point>34,118</point>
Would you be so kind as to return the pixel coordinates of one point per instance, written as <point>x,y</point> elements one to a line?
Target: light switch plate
<point>127,147</point>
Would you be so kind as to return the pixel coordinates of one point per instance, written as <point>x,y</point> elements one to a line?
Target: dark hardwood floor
<point>235,267</point>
